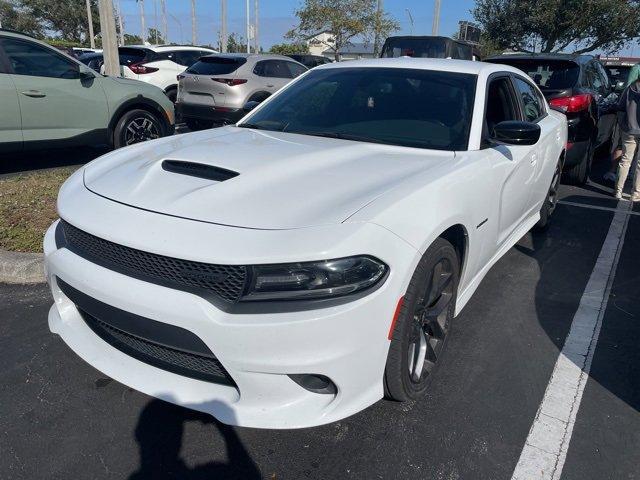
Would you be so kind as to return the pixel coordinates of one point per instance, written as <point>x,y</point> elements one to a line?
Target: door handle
<point>270,85</point>
<point>34,93</point>
<point>534,159</point>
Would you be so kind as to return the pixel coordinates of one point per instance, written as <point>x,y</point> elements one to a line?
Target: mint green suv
<point>49,99</point>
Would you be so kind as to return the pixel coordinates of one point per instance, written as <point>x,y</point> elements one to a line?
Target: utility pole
<point>223,27</point>
<point>90,19</point>
<point>109,39</point>
<point>179,26</point>
<point>194,39</point>
<point>120,24</point>
<point>143,27</point>
<point>436,18</point>
<point>256,43</point>
<point>248,28</point>
<point>376,38</point>
<point>165,30</point>
<point>155,21</point>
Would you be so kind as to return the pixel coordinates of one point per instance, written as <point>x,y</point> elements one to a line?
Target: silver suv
<point>214,90</point>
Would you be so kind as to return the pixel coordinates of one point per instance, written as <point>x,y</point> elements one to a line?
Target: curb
<point>21,268</point>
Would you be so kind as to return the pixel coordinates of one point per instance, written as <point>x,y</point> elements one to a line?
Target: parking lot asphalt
<point>63,419</point>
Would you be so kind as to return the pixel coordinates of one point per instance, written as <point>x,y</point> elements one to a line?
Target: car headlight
<point>322,279</point>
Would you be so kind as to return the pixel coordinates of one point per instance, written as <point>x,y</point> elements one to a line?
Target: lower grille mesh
<point>177,361</point>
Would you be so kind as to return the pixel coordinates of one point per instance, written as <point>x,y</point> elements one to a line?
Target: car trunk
<point>204,82</point>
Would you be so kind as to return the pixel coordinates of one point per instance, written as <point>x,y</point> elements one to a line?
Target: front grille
<point>225,281</point>
<point>166,358</point>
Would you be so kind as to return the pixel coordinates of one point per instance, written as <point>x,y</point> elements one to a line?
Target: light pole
<point>143,27</point>
<point>436,18</point>
<point>90,19</point>
<point>248,28</point>
<point>165,30</point>
<point>194,39</point>
<point>109,39</point>
<point>256,44</point>
<point>223,26</point>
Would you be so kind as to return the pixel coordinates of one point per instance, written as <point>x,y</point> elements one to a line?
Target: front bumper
<point>347,342</point>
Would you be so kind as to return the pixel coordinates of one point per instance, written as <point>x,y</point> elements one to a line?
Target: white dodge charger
<point>295,268</point>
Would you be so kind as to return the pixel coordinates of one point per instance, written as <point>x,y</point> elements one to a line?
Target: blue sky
<point>277,17</point>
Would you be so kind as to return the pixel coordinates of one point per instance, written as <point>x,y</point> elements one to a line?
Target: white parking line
<point>546,447</point>
<point>624,210</point>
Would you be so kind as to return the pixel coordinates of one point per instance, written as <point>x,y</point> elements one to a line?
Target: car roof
<point>439,64</point>
<point>163,48</point>
<point>578,58</point>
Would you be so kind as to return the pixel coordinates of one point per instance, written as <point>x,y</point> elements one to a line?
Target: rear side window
<point>130,56</point>
<point>26,58</point>
<point>273,69</point>
<point>295,70</point>
<point>533,109</point>
<point>547,74</point>
<point>216,65</point>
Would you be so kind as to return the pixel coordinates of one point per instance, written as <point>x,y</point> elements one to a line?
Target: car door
<point>534,110</point>
<point>296,69</point>
<point>513,166</point>
<point>10,118</point>
<point>56,101</point>
<point>606,114</point>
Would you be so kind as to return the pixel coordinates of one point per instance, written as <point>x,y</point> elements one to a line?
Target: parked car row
<point>48,98</point>
<point>579,87</point>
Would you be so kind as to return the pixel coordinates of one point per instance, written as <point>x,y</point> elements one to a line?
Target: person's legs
<point>629,143</point>
<point>635,195</point>
<point>616,154</point>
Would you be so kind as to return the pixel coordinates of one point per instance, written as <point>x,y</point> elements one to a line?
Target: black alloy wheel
<point>137,126</point>
<point>551,201</point>
<point>420,334</point>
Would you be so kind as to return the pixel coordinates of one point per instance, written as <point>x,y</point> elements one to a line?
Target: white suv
<point>159,65</point>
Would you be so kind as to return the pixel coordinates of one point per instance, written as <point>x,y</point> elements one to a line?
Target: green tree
<point>130,39</point>
<point>236,43</point>
<point>289,48</point>
<point>16,17</point>
<point>64,18</point>
<point>557,25</point>
<point>345,19</point>
<point>155,36</point>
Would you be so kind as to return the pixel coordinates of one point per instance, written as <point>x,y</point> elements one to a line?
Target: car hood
<point>283,180</point>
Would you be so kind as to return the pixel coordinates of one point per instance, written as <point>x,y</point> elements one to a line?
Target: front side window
<point>295,70</point>
<point>27,58</point>
<point>397,106</point>
<point>533,109</point>
<point>187,57</point>
<point>501,104</point>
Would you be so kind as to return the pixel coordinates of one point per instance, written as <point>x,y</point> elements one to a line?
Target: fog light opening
<point>315,383</point>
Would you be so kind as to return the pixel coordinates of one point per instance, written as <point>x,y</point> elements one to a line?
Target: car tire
<point>419,336</point>
<point>137,126</point>
<point>551,200</point>
<point>196,124</point>
<point>579,174</point>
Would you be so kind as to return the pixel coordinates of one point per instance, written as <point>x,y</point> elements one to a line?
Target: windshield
<point>216,65</point>
<point>547,74</point>
<point>415,47</point>
<point>407,107</point>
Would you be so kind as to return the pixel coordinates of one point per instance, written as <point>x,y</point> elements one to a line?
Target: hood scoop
<point>199,170</point>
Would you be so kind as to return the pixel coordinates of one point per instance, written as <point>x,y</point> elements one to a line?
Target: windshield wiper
<point>345,136</point>
<point>252,125</point>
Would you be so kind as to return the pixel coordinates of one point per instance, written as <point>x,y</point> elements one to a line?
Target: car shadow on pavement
<point>159,434</point>
<point>50,158</point>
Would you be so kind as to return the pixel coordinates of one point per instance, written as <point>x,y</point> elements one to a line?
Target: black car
<point>93,60</point>
<point>618,69</point>
<point>309,61</point>
<point>428,46</point>
<point>578,86</point>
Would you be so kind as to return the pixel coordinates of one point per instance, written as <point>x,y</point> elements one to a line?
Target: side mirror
<point>513,132</point>
<point>247,107</point>
<point>86,75</point>
<point>619,87</point>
